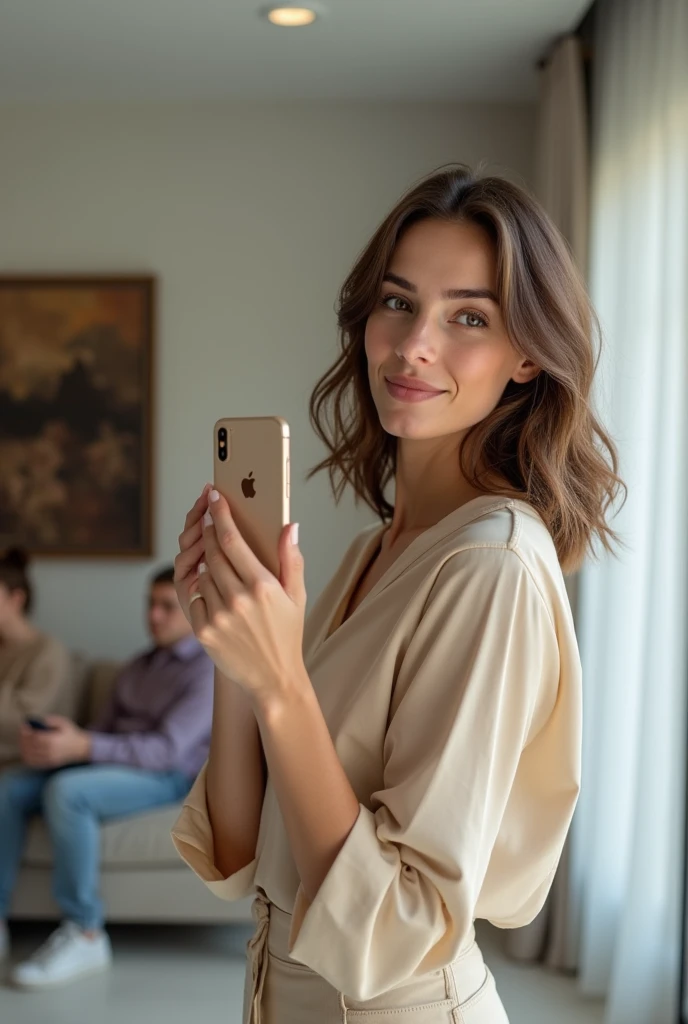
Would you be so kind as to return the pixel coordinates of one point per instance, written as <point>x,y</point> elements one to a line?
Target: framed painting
<point>76,416</point>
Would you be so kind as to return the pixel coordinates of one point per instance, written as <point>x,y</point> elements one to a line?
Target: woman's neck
<point>18,631</point>
<point>429,486</point>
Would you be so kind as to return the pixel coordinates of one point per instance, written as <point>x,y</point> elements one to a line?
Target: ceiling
<point>160,50</point>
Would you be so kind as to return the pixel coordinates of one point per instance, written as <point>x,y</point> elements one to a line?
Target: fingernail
<point>295,534</point>
<point>207,519</point>
<point>202,567</point>
<point>214,495</point>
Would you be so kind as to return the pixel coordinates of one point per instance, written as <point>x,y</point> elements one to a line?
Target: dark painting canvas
<point>75,414</point>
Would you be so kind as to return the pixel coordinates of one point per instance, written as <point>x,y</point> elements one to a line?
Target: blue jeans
<point>73,802</point>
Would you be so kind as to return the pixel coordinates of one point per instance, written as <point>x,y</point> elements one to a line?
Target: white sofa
<point>143,879</point>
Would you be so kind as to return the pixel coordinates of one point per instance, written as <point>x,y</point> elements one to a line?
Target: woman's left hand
<point>250,622</point>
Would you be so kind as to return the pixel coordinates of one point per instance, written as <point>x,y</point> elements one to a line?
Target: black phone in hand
<point>39,725</point>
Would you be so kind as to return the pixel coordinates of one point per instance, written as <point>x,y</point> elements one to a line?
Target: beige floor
<point>195,976</point>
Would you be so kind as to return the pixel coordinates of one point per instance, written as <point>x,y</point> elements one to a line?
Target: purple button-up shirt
<point>160,711</point>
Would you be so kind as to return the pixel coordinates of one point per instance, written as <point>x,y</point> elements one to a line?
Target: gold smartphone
<point>251,470</point>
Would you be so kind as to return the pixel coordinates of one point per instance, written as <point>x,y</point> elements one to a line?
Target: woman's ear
<point>525,372</point>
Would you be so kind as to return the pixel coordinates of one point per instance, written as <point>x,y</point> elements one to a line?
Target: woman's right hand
<point>191,551</point>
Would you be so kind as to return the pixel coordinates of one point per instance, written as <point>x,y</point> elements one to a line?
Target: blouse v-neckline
<point>467,513</point>
<point>358,568</point>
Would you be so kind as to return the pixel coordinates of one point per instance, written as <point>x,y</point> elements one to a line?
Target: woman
<point>34,667</point>
<point>414,764</point>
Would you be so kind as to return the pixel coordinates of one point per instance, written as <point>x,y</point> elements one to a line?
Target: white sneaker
<point>4,941</point>
<point>66,955</point>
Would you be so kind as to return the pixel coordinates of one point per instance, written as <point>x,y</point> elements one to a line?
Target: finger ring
<point>196,596</point>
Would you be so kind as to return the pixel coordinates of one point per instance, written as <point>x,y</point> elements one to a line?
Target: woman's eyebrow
<point>451,293</point>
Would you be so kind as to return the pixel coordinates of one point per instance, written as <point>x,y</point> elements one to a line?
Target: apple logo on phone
<point>248,486</point>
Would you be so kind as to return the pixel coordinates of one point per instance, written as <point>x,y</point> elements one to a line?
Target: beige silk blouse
<point>453,697</point>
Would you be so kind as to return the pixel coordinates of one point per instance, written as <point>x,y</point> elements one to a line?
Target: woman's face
<point>437,326</point>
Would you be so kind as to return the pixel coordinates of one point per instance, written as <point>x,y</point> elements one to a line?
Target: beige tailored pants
<point>282,991</point>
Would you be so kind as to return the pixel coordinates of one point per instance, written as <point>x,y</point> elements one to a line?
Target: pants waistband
<point>272,934</point>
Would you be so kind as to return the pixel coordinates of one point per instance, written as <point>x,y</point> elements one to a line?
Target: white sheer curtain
<point>633,613</point>
<point>562,186</point>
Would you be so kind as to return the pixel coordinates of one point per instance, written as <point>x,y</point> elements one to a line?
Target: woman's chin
<point>410,428</point>
<point>406,428</point>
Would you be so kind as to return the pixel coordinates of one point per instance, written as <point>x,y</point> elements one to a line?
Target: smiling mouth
<point>413,383</point>
<point>407,390</point>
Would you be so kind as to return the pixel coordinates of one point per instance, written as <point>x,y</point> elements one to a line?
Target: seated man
<point>143,751</point>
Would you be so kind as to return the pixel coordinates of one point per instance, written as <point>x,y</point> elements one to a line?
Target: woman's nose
<point>418,344</point>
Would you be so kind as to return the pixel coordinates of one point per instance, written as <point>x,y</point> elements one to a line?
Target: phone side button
<point>288,478</point>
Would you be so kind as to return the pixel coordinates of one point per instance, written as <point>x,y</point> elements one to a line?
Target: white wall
<point>250,216</point>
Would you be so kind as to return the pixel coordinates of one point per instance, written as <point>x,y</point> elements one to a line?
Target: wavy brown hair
<point>13,574</point>
<point>543,442</point>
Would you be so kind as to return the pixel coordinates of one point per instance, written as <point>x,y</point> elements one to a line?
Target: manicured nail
<point>207,519</point>
<point>214,495</point>
<point>295,534</point>
<point>202,567</point>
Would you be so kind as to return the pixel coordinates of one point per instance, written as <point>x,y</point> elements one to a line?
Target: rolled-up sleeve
<point>192,836</point>
<point>477,684</point>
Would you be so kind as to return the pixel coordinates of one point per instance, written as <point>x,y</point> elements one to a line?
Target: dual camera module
<point>222,444</point>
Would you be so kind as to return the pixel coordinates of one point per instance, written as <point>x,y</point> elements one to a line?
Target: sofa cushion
<point>141,841</point>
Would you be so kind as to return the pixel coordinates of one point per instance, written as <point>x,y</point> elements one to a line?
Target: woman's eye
<point>471,320</point>
<point>396,302</point>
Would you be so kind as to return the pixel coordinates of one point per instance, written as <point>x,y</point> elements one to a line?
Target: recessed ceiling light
<point>290,16</point>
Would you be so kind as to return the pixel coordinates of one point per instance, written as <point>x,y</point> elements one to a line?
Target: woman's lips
<point>409,390</point>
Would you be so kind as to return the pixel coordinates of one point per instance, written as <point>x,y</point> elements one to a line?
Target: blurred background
<point>183,188</point>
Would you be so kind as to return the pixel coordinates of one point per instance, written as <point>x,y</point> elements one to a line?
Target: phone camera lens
<point>222,444</point>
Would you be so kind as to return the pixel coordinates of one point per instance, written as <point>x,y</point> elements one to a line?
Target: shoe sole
<point>35,986</point>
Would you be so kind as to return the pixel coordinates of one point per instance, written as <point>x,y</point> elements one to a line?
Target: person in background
<point>143,751</point>
<point>35,668</point>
